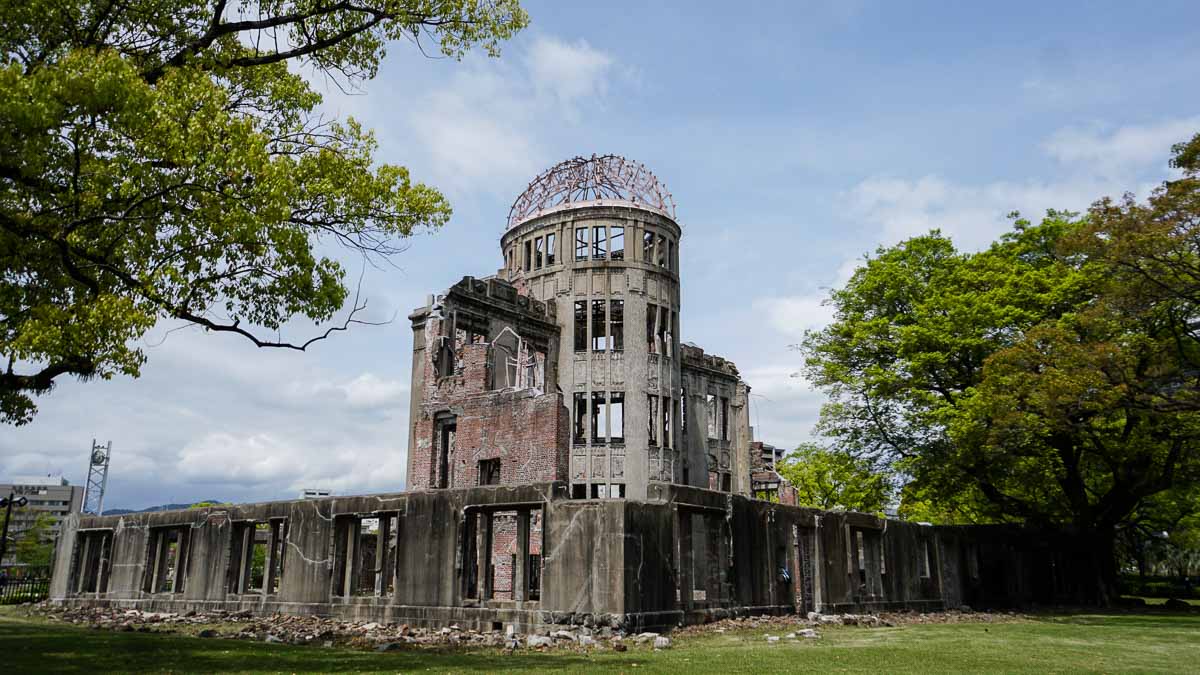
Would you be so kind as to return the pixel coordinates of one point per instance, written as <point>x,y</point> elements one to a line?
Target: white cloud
<point>1120,151</point>
<point>794,315</point>
<point>371,391</point>
<point>568,72</point>
<point>481,128</point>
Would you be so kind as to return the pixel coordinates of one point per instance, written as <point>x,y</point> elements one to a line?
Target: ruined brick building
<point>570,460</point>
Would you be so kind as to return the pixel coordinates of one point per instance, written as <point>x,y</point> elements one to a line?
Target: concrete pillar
<point>84,567</point>
<point>182,553</point>
<point>348,579</point>
<point>246,558</point>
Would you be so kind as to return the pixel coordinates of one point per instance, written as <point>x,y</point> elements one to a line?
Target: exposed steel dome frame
<point>600,178</point>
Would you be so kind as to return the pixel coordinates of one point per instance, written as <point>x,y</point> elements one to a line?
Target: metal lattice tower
<point>97,481</point>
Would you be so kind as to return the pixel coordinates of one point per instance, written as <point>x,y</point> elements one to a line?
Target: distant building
<point>314,493</point>
<point>46,494</point>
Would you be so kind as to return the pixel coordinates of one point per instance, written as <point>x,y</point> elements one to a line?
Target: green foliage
<point>828,479</point>
<point>163,160</point>
<point>35,545</point>
<point>1051,378</point>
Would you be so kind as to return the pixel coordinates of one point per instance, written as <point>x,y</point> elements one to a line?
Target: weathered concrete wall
<point>683,555</point>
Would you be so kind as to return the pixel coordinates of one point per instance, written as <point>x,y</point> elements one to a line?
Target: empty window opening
<point>166,564</point>
<point>662,251</point>
<point>727,483</point>
<point>616,325</point>
<point>652,418</point>
<point>256,557</point>
<point>599,242</point>
<point>671,256</point>
<point>616,243</point>
<point>616,491</point>
<point>923,566</point>
<point>539,253</point>
<point>616,417</point>
<point>664,331</point>
<point>581,321</point>
<point>599,417</point>
<point>551,249</point>
<point>599,491</point>
<point>581,244</point>
<point>579,432</point>
<point>489,471</point>
<point>668,437</point>
<point>528,255</point>
<point>578,491</point>
<point>724,418</point>
<point>445,430</point>
<point>652,342</point>
<point>648,247</point>
<point>365,554</point>
<point>711,409</point>
<point>91,568</point>
<point>599,335</point>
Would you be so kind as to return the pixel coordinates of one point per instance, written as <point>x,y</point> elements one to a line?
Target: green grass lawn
<point>1148,642</point>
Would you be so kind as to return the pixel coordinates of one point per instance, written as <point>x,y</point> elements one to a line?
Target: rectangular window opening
<point>579,433</point>
<point>166,564</point>
<point>538,253</point>
<point>711,405</point>
<point>616,417</point>
<point>528,255</point>
<point>445,429</point>
<point>581,321</point>
<point>724,418</point>
<point>652,419</point>
<point>652,329</point>
<point>599,417</point>
<point>581,244</point>
<point>664,331</point>
<point>599,321</point>
<point>489,471</point>
<point>551,249</point>
<point>648,247</point>
<point>579,491</point>
<point>599,242</point>
<point>616,325</point>
<point>616,243</point>
<point>662,251</point>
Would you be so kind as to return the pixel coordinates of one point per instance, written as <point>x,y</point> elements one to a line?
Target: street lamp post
<point>7,503</point>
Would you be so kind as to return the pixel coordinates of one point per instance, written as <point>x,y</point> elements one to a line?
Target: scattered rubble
<point>305,630</point>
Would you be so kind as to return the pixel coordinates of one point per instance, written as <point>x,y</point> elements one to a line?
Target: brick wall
<point>525,428</point>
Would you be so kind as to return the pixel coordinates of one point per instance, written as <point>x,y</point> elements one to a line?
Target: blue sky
<point>796,137</point>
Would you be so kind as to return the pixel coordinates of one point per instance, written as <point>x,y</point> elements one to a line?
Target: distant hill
<point>160,507</point>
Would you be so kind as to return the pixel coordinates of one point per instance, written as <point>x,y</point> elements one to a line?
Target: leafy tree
<point>827,479</point>
<point>35,545</point>
<point>162,159</point>
<point>1032,379</point>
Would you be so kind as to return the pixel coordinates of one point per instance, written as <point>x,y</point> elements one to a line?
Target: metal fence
<point>24,589</point>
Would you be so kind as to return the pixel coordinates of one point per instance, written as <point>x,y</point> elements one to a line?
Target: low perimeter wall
<point>530,557</point>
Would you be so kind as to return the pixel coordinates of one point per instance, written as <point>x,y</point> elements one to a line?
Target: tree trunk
<point>1101,548</point>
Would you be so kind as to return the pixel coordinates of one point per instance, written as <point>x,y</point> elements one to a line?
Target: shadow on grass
<point>1122,618</point>
<point>28,648</point>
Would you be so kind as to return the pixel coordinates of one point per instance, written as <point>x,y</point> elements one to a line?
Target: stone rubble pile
<point>318,631</point>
